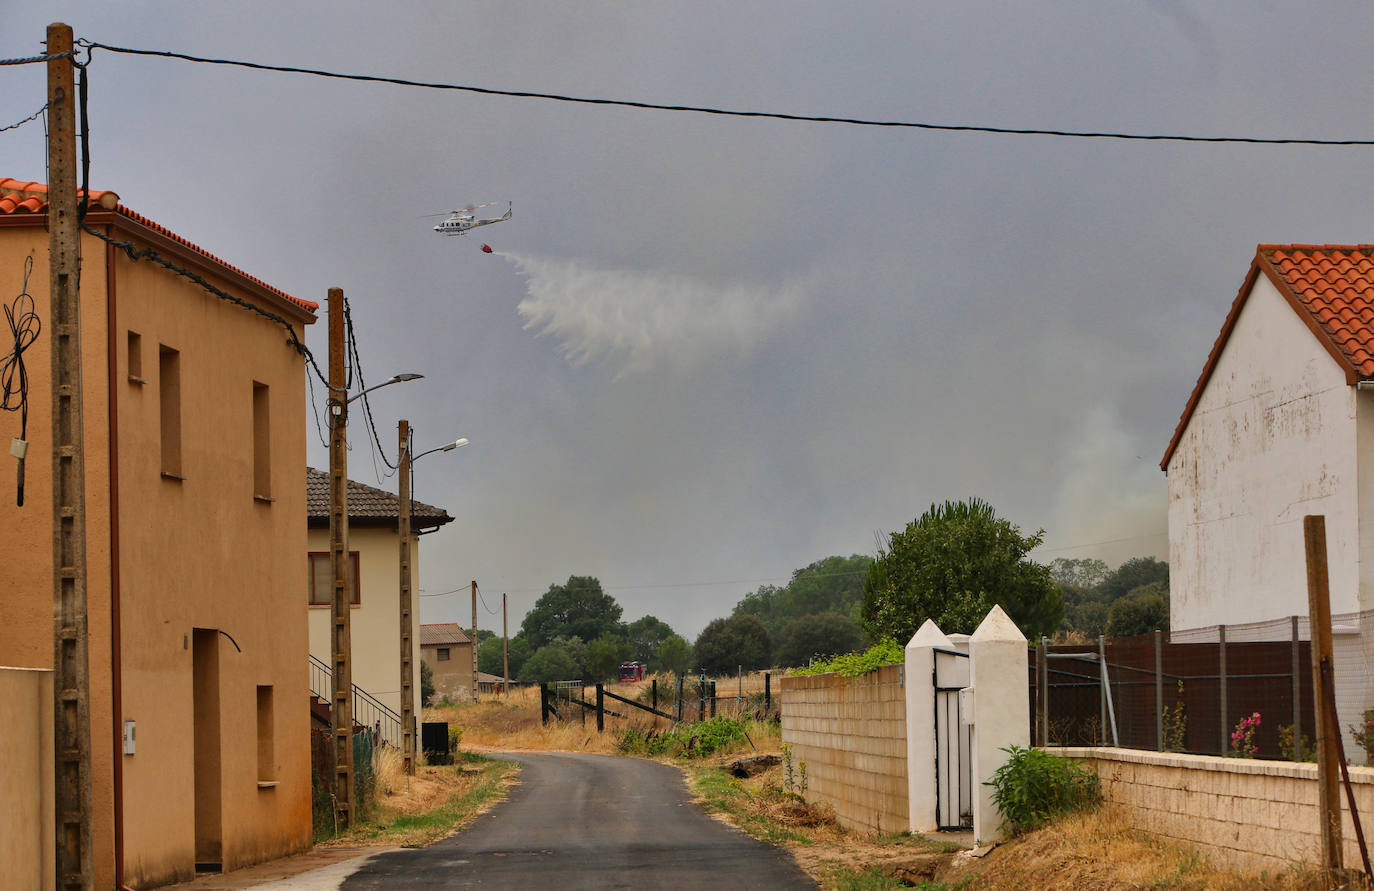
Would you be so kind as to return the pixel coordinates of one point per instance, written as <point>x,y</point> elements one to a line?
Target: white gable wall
<point>1273,438</point>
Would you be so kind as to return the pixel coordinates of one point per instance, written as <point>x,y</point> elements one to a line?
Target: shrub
<point>1301,750</point>
<point>698,740</point>
<point>887,652</point>
<point>1243,737</point>
<point>1033,786</point>
<point>1364,735</point>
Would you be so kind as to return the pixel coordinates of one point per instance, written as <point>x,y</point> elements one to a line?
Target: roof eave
<point>1260,264</point>
<point>201,263</point>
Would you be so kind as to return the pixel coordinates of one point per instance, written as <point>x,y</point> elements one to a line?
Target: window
<point>267,761</point>
<point>262,442</point>
<point>322,579</point>
<point>169,390</point>
<point>442,654</point>
<point>136,358</point>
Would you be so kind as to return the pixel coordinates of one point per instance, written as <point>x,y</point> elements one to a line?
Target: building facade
<point>194,451</point>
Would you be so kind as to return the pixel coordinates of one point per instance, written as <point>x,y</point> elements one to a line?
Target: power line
<point>698,109</point>
<point>33,117</point>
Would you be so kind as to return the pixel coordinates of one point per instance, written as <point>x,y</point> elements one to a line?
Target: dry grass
<point>513,724</point>
<point>1098,850</point>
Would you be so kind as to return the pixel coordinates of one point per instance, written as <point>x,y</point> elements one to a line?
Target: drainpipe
<point>116,681</point>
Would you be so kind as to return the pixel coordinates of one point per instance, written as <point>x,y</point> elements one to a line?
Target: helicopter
<point>462,220</point>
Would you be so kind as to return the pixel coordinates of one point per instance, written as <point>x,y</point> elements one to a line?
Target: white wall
<point>376,622</point>
<point>1272,439</point>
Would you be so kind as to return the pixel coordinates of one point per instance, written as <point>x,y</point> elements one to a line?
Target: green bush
<point>685,740</point>
<point>1033,786</point>
<point>887,652</point>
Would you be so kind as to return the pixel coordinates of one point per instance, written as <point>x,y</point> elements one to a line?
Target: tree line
<point>951,564</point>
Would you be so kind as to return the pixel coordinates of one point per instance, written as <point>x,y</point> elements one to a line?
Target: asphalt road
<point>589,821</point>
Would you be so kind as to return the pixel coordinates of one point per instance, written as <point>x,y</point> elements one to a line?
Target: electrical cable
<point>484,601</point>
<point>33,117</point>
<point>32,60</point>
<point>697,109</point>
<point>356,364</point>
<point>25,325</point>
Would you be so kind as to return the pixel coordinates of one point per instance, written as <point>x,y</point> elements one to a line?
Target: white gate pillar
<point>1000,712</point>
<point>920,726</point>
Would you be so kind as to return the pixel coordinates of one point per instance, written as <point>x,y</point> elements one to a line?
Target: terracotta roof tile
<point>19,197</point>
<point>443,633</point>
<point>1330,286</point>
<point>367,506</point>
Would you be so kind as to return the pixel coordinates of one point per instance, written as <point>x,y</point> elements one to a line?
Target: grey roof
<point>367,506</point>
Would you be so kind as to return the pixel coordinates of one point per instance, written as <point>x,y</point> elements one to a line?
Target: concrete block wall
<point>851,733</point>
<point>1238,813</point>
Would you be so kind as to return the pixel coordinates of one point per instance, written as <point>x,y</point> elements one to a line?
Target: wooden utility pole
<point>505,651</point>
<point>474,638</point>
<point>342,627</point>
<point>407,605</point>
<point>71,656</point>
<point>1319,626</point>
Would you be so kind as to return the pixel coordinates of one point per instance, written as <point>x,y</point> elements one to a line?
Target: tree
<point>426,683</point>
<point>489,655</point>
<point>833,584</point>
<point>604,656</point>
<point>576,609</point>
<point>737,642</point>
<point>952,564</point>
<point>1085,572</point>
<point>675,655</point>
<point>645,636</point>
<point>1130,575</point>
<point>549,663</point>
<point>1090,618</point>
<point>1143,610</point>
<point>822,634</point>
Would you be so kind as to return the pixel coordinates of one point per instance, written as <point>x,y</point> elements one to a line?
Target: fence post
<point>713,699</point>
<point>1102,689</point>
<point>1042,694</point>
<point>701,699</point>
<point>997,654</point>
<point>543,703</point>
<point>653,686</point>
<point>1221,670</point>
<point>581,706</point>
<point>1159,690</point>
<point>767,692</point>
<point>681,692</point>
<point>1319,633</point>
<point>1297,695</point>
<point>600,709</point>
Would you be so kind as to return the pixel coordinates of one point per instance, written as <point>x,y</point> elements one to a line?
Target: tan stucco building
<point>375,546</point>
<point>448,653</point>
<point>194,433</point>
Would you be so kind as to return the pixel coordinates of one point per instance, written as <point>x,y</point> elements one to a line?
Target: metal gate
<point>953,743</point>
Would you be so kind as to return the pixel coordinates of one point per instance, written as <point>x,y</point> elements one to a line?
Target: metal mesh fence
<point>1176,696</point>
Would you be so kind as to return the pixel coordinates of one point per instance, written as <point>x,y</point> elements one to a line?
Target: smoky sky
<point>708,351</point>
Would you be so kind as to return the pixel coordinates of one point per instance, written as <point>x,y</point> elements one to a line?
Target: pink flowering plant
<point>1243,737</point>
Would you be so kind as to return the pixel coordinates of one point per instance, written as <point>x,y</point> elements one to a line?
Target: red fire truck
<point>632,671</point>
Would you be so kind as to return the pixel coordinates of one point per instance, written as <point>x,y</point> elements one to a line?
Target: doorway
<point>206,745</point>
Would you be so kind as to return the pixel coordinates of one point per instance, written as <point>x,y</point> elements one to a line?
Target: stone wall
<point>1238,813</point>
<point>851,734</point>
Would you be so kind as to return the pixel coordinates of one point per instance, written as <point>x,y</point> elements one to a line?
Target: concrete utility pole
<point>407,605</point>
<point>342,627</point>
<point>71,658</point>
<point>474,638</point>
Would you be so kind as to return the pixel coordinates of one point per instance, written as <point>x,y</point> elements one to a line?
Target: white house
<point>374,544</point>
<point>1281,425</point>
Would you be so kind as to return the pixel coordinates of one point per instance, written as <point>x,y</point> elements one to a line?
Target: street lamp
<point>406,596</point>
